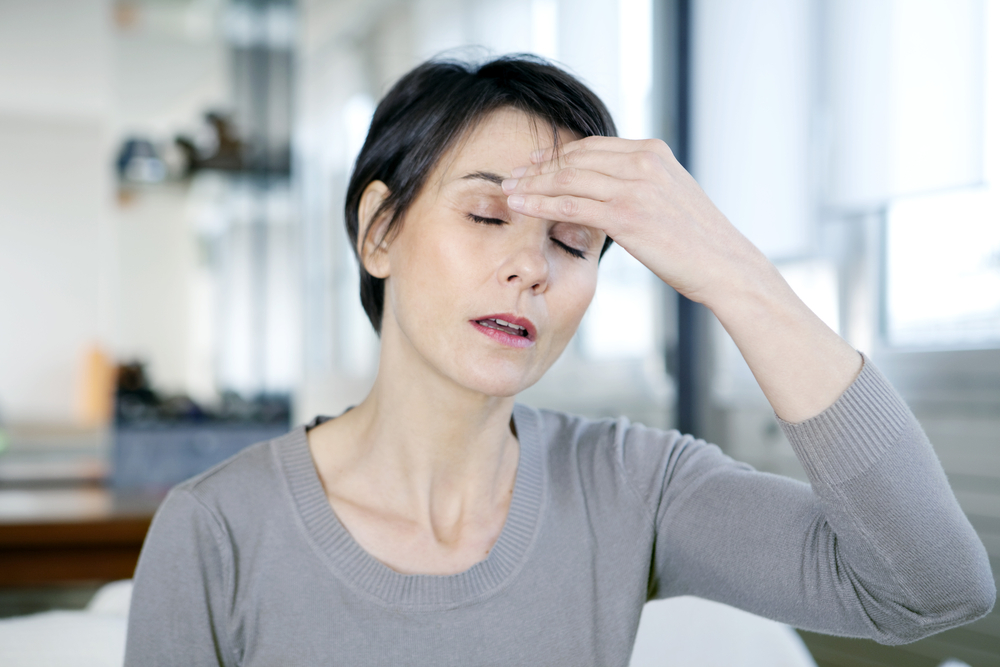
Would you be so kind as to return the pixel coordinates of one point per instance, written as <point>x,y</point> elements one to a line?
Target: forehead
<point>497,143</point>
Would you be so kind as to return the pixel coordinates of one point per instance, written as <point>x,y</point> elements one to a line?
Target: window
<point>942,249</point>
<point>943,270</point>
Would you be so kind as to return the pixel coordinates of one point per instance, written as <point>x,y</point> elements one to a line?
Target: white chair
<point>94,637</point>
<point>691,632</point>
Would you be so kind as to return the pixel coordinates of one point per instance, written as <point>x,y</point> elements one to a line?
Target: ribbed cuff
<point>848,438</point>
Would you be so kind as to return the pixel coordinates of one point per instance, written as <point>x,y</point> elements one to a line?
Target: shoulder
<point>619,437</point>
<point>247,483</point>
<point>203,519</point>
<point>556,428</point>
<point>565,438</point>
<point>615,452</point>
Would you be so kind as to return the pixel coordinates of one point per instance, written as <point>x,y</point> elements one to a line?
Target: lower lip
<point>504,338</point>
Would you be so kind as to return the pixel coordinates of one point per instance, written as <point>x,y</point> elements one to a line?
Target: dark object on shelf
<point>140,162</point>
<point>134,399</point>
<point>228,154</point>
<point>155,457</point>
<point>233,153</point>
<point>160,441</point>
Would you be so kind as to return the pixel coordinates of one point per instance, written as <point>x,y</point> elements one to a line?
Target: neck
<point>440,446</point>
<point>434,430</point>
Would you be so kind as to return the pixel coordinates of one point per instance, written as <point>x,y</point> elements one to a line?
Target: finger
<point>564,208</point>
<point>632,165</point>
<point>586,143</point>
<point>638,166</point>
<point>568,181</point>
<point>615,144</point>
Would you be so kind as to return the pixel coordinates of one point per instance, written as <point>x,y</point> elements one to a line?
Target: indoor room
<point>177,284</point>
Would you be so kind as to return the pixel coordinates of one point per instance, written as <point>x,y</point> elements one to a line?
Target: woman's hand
<point>639,194</point>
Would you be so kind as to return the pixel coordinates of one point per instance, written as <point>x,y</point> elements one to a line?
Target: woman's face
<point>462,260</point>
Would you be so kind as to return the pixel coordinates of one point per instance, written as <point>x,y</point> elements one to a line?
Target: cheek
<point>432,267</point>
<point>578,287</point>
<point>586,297</point>
<point>458,259</point>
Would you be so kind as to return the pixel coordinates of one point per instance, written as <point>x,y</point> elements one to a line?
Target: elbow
<point>965,604</point>
<point>975,593</point>
<point>981,597</point>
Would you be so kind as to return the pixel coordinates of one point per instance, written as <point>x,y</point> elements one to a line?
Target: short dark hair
<point>434,105</point>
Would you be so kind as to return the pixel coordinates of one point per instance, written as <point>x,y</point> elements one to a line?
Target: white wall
<point>78,265</point>
<point>904,97</point>
<point>163,81</point>
<point>156,261</point>
<point>54,57</point>
<point>753,72</point>
<point>56,244</point>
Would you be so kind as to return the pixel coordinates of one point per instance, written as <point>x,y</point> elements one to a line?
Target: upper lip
<point>512,319</point>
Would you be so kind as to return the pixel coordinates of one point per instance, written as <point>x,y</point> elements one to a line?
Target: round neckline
<point>371,578</point>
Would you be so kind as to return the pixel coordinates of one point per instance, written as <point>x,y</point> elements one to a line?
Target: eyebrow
<point>489,176</point>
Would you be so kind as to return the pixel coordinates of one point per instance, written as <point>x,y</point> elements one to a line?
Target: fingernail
<point>518,172</point>
<point>535,155</point>
<point>515,201</point>
<point>509,184</point>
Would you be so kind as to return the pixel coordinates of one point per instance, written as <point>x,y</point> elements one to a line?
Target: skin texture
<point>421,473</point>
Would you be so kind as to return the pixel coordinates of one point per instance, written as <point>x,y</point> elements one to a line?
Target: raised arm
<point>879,546</point>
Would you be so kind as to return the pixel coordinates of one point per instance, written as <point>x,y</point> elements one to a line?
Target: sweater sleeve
<point>180,599</point>
<point>878,547</point>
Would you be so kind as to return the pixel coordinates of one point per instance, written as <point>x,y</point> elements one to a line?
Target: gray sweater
<point>247,564</point>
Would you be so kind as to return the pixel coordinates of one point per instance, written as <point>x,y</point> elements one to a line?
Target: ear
<point>374,255</point>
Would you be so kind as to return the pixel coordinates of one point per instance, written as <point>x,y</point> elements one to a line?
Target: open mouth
<point>507,329</point>
<point>504,326</point>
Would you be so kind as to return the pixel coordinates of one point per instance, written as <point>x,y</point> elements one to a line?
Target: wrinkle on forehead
<point>446,165</point>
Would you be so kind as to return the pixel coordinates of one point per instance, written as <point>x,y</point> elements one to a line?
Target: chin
<point>499,384</point>
<point>498,389</point>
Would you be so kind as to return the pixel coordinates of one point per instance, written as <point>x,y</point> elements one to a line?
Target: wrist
<point>746,282</point>
<point>801,364</point>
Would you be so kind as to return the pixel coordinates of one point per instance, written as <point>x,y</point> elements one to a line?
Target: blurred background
<point>175,281</point>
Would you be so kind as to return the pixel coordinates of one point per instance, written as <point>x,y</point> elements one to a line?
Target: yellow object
<point>97,395</point>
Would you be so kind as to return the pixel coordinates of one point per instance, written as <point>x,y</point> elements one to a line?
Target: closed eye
<point>497,221</point>
<point>570,249</point>
<point>486,221</point>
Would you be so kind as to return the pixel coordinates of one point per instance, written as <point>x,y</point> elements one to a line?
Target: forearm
<point>800,363</point>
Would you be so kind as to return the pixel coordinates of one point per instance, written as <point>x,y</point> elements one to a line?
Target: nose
<point>526,267</point>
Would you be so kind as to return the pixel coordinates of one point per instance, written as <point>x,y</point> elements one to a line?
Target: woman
<point>439,523</point>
